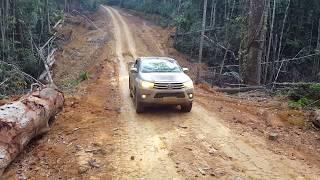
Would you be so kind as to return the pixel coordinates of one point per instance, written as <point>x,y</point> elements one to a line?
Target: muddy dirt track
<point>99,135</point>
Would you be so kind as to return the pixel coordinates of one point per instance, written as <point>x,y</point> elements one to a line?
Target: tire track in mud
<point>152,136</point>
<point>141,154</point>
<point>128,36</point>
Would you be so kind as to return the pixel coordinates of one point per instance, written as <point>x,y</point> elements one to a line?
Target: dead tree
<point>22,120</point>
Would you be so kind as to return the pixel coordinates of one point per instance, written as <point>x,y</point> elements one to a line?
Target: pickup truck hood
<point>165,77</point>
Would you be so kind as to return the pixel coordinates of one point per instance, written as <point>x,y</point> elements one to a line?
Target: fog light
<point>144,96</point>
<point>190,95</point>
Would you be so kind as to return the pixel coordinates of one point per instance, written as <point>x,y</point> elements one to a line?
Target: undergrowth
<point>304,96</point>
<point>72,83</point>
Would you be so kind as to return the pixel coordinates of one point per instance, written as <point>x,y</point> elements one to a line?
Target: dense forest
<point>26,26</point>
<point>258,42</point>
<point>253,42</point>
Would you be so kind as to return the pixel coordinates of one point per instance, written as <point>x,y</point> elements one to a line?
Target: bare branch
<point>6,80</point>
<point>51,39</point>
<point>57,24</point>
<point>294,59</point>
<point>21,72</point>
<point>45,63</point>
<point>86,18</point>
<point>221,46</point>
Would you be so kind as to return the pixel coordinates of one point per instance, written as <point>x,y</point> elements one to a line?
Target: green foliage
<point>13,81</point>
<point>91,5</point>
<point>83,76</point>
<point>315,88</point>
<point>305,96</point>
<point>25,23</point>
<point>231,30</point>
<point>301,103</point>
<point>71,83</point>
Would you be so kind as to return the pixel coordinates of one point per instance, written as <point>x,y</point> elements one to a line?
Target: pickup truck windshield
<point>159,65</point>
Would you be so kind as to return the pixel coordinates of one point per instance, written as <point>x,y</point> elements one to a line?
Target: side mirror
<point>133,70</point>
<point>185,70</point>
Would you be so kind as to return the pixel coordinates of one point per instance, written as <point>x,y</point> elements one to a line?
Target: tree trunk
<point>213,13</point>
<point>317,61</point>
<point>270,41</point>
<point>202,38</point>
<point>47,16</point>
<point>256,41</point>
<point>22,120</point>
<point>281,35</point>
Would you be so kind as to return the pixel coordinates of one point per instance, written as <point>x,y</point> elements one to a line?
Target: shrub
<point>83,76</point>
<point>305,95</point>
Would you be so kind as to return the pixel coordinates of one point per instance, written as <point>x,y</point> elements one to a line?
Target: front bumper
<point>166,96</point>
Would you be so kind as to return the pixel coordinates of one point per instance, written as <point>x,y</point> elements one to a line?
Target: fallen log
<point>25,119</point>
<point>288,84</point>
<point>240,89</point>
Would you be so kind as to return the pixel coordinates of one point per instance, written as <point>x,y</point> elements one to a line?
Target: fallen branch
<point>193,32</point>
<point>25,119</point>
<point>6,80</point>
<point>288,84</point>
<point>236,85</point>
<point>240,89</point>
<point>263,63</point>
<point>49,40</point>
<point>45,63</point>
<point>57,24</point>
<point>86,18</point>
<point>294,59</point>
<point>279,70</point>
<point>21,72</point>
<point>50,61</point>
<point>221,46</point>
<point>50,58</point>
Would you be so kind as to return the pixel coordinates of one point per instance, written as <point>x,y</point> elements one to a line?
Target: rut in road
<point>150,159</point>
<point>154,146</point>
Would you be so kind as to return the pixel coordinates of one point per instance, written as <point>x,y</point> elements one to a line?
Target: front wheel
<point>131,93</point>
<point>139,105</point>
<point>186,107</point>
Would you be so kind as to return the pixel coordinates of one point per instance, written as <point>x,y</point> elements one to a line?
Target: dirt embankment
<point>80,143</point>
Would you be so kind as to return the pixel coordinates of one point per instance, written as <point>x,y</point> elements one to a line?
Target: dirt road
<point>99,135</point>
<point>168,144</point>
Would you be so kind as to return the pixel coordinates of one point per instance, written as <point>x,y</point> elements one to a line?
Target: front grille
<point>168,86</point>
<point>162,95</point>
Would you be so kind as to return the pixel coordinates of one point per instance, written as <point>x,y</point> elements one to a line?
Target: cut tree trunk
<point>25,119</point>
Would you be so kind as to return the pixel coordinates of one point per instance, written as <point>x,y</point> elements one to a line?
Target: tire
<point>186,107</point>
<point>130,92</point>
<point>139,105</point>
<point>130,89</point>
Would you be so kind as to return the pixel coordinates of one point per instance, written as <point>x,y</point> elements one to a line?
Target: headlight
<point>146,85</point>
<point>188,84</point>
